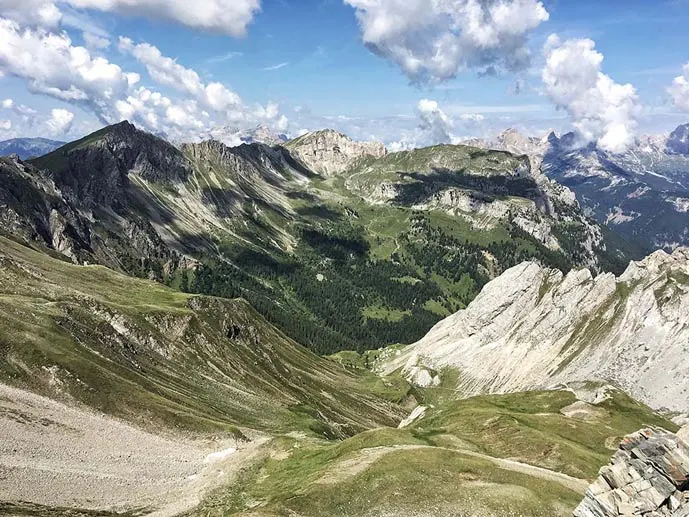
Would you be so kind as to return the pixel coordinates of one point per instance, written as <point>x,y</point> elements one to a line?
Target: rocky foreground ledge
<point>648,476</point>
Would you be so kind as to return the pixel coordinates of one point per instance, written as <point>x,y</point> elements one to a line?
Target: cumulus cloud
<point>434,122</point>
<point>472,117</point>
<point>60,121</point>
<point>168,72</point>
<point>602,110</point>
<point>230,17</point>
<point>679,90</point>
<point>42,13</point>
<point>5,125</point>
<point>95,41</point>
<point>214,96</point>
<point>7,103</point>
<point>51,65</point>
<point>433,40</point>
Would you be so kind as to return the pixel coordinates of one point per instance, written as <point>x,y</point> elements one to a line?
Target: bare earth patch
<point>56,455</point>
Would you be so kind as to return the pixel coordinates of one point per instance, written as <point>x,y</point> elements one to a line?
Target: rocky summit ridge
<point>647,476</point>
<point>535,327</point>
<point>329,152</point>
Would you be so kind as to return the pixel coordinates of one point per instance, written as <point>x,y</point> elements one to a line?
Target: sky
<point>405,72</point>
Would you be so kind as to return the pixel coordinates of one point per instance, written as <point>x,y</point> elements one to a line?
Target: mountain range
<point>640,194</point>
<point>27,148</point>
<point>318,326</point>
<point>415,234</point>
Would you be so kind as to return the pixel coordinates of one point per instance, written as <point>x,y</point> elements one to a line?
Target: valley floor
<point>54,455</point>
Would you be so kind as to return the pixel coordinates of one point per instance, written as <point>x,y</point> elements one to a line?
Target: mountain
<point>328,152</point>
<point>534,327</point>
<point>123,395</point>
<point>119,395</point>
<point>374,255</point>
<point>641,194</point>
<point>27,148</point>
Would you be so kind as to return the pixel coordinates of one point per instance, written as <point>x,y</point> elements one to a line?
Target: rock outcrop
<point>648,476</point>
<point>330,153</point>
<point>534,327</point>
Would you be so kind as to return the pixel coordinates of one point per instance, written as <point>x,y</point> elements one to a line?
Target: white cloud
<point>60,121</point>
<point>168,72</point>
<point>230,17</point>
<point>51,65</point>
<point>42,13</point>
<point>601,110</point>
<point>96,42</point>
<point>434,122</point>
<point>472,117</point>
<point>433,40</point>
<point>275,67</point>
<point>5,125</point>
<point>679,91</point>
<point>220,58</point>
<point>7,103</point>
<point>214,97</point>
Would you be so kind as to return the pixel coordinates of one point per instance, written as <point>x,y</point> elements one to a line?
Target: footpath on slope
<point>350,467</point>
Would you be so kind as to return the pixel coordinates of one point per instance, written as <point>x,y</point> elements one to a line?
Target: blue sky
<point>306,59</point>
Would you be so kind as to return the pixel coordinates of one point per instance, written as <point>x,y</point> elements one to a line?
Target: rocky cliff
<point>648,476</point>
<point>329,153</point>
<point>535,327</point>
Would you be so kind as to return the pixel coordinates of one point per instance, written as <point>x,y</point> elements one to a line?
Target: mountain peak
<point>330,152</point>
<point>678,141</point>
<point>97,166</point>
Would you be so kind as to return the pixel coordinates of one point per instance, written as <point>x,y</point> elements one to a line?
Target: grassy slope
<point>136,349</point>
<point>212,365</point>
<point>441,465</point>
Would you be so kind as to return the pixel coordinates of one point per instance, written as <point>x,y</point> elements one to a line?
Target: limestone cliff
<point>534,327</point>
<point>329,153</point>
<point>648,475</point>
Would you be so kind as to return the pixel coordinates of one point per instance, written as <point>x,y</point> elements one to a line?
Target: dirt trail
<point>366,457</point>
<point>56,455</point>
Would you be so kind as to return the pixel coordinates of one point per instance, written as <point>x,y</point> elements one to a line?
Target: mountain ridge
<point>27,148</point>
<point>534,327</point>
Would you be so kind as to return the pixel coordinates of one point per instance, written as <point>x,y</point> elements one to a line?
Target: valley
<point>211,330</point>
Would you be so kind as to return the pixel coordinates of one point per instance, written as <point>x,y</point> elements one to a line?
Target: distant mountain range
<point>27,148</point>
<point>643,193</point>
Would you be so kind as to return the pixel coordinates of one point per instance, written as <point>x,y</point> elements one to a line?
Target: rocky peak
<point>678,142</point>
<point>533,328</point>
<point>96,168</point>
<point>329,152</point>
<point>648,476</point>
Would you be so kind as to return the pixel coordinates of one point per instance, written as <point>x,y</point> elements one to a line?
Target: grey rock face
<point>329,152</point>
<point>648,476</point>
<point>678,142</point>
<point>96,169</point>
<point>534,328</point>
